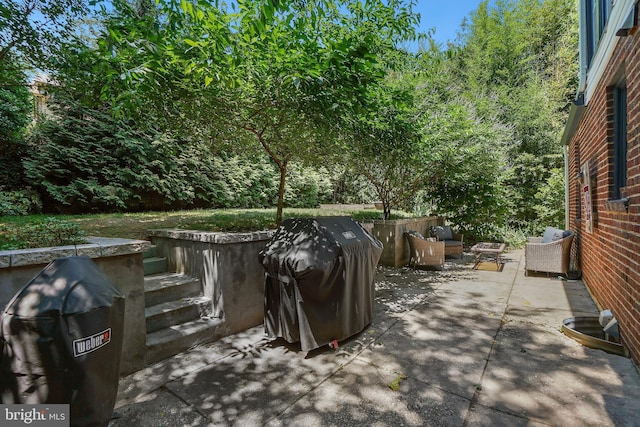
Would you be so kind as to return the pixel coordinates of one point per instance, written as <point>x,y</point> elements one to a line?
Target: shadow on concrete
<point>457,347</point>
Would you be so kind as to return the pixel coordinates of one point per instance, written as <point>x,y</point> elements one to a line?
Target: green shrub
<point>40,234</point>
<point>85,160</point>
<point>307,187</point>
<point>513,237</point>
<point>22,202</point>
<point>349,187</point>
<point>550,202</point>
<point>241,182</point>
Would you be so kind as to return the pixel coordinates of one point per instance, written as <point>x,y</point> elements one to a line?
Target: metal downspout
<point>566,187</point>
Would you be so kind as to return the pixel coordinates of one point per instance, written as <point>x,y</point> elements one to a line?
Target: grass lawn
<point>135,225</point>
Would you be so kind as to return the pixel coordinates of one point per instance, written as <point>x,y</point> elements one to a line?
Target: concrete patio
<point>458,347</point>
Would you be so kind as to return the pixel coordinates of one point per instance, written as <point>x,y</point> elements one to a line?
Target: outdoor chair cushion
<point>452,239</point>
<point>415,233</point>
<point>442,232</point>
<point>552,234</point>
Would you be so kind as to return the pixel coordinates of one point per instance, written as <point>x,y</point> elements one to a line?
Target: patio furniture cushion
<point>452,239</point>
<point>442,232</point>
<point>552,234</point>
<point>415,233</point>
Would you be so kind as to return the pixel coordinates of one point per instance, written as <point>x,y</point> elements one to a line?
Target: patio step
<point>171,313</point>
<point>176,339</point>
<point>151,252</point>
<point>177,315</point>
<point>176,311</point>
<point>165,287</point>
<point>154,265</point>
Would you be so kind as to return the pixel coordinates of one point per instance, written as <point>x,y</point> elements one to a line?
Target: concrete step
<point>151,252</point>
<point>154,265</point>
<point>165,287</point>
<point>176,339</point>
<point>173,313</point>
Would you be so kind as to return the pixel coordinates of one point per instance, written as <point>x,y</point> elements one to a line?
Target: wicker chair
<point>424,252</point>
<point>550,257</point>
<point>452,240</point>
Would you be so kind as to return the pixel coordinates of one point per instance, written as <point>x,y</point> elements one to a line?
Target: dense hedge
<point>84,160</point>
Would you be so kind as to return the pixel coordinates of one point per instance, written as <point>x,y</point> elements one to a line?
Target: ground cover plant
<point>19,232</point>
<point>23,232</point>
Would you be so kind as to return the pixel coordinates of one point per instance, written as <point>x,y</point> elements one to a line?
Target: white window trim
<point>608,42</point>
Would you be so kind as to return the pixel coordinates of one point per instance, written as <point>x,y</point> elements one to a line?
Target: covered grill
<point>319,280</point>
<point>61,338</point>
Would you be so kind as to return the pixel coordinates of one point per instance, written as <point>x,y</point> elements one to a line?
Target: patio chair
<point>424,252</point>
<point>550,253</point>
<point>452,240</point>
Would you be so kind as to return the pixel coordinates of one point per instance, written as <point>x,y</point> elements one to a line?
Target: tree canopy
<point>184,89</point>
<point>280,73</point>
<point>31,30</point>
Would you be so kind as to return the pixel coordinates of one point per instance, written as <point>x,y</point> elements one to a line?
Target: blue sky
<point>445,16</point>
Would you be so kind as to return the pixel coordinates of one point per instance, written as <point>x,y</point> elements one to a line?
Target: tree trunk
<point>386,211</point>
<point>282,166</point>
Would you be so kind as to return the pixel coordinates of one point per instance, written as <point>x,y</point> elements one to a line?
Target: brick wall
<point>609,257</point>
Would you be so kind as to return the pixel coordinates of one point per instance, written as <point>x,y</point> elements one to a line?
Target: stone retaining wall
<point>227,265</point>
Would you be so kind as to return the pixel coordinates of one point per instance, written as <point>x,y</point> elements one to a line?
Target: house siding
<point>609,257</point>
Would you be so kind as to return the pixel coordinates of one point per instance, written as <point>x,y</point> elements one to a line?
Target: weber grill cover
<point>319,280</point>
<point>62,341</point>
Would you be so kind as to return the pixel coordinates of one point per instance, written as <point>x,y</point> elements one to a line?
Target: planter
<point>390,232</point>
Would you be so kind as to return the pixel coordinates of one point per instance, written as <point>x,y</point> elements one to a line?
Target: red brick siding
<point>610,256</point>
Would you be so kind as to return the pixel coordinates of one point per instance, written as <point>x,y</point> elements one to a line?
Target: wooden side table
<point>484,248</point>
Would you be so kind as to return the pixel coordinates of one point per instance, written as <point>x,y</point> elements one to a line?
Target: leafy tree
<point>385,145</point>
<point>423,142</point>
<point>31,30</point>
<point>85,160</point>
<point>30,34</point>
<point>519,61</point>
<point>468,150</point>
<point>549,202</point>
<point>276,72</point>
<point>469,156</point>
<point>15,109</point>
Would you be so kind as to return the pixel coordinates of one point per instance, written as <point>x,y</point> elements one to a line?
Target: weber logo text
<point>86,345</point>
<point>34,415</point>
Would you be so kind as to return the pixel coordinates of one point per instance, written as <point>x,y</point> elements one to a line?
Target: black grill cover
<point>62,341</point>
<point>319,280</point>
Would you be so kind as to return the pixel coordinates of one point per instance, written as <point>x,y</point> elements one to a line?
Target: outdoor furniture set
<point>550,253</point>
